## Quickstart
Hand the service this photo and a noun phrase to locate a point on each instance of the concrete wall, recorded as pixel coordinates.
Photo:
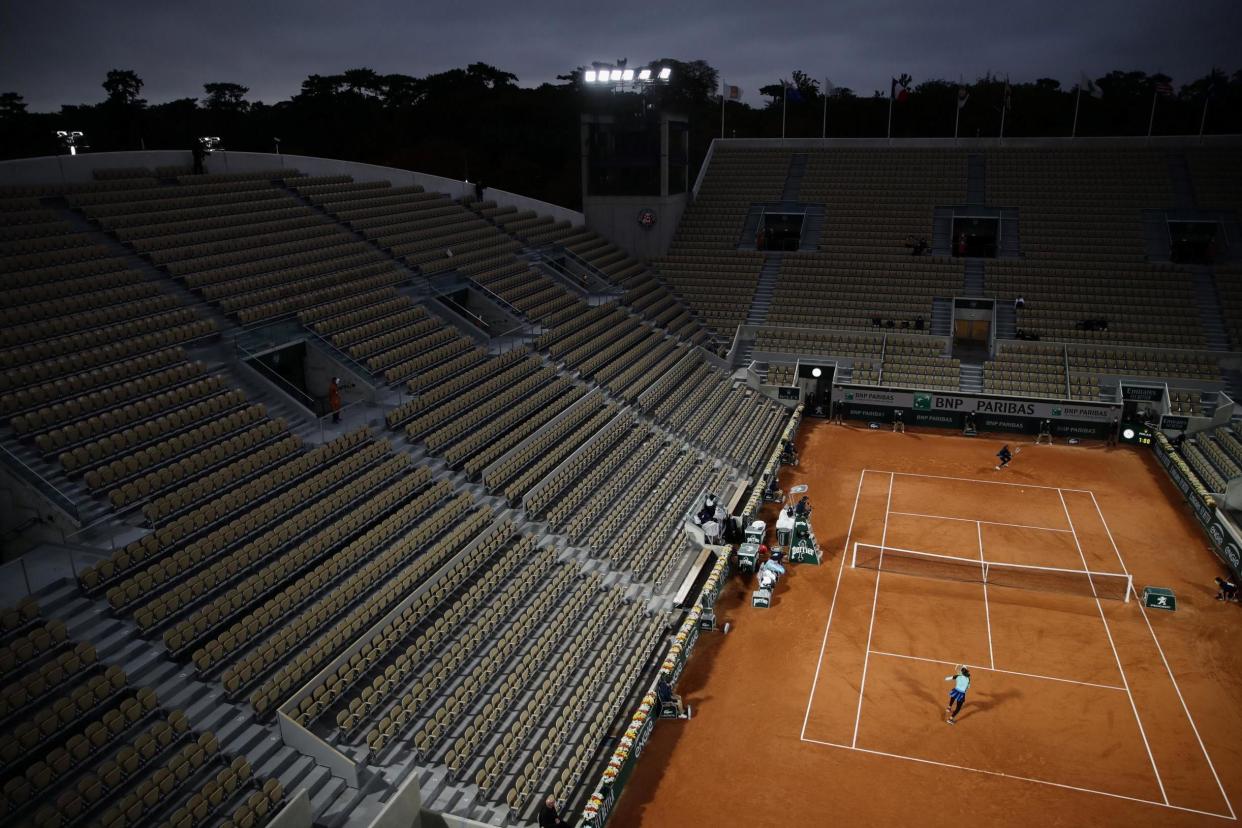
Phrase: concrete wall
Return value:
(616, 219)
(77, 169)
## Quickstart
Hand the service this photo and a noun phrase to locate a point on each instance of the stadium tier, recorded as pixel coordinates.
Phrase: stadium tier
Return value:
(466, 576)
(427, 602)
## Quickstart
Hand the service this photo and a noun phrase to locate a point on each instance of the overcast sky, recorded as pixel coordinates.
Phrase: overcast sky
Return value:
(58, 52)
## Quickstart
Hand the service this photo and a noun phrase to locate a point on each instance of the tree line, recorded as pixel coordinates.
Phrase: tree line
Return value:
(478, 123)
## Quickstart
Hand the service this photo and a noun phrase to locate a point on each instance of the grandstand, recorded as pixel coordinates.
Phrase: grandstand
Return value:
(467, 585)
(396, 588)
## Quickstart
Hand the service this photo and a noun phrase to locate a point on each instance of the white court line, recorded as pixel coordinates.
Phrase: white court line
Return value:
(832, 606)
(987, 611)
(1023, 779)
(1108, 632)
(996, 670)
(875, 600)
(1143, 611)
(988, 522)
(974, 480)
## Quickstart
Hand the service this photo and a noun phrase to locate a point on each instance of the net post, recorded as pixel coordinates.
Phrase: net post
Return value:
(854, 556)
(1129, 587)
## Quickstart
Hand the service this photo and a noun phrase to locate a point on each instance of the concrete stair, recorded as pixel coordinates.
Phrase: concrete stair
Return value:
(793, 178)
(976, 179)
(761, 303)
(973, 282)
(1006, 320)
(970, 378)
(941, 317)
(1183, 185)
(1208, 301)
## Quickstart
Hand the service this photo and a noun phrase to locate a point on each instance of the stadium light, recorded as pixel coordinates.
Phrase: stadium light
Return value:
(210, 143)
(618, 74)
(71, 140)
(1127, 434)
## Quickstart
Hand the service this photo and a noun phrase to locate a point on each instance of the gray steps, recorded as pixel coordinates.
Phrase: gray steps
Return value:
(970, 378)
(973, 282)
(761, 303)
(1006, 319)
(812, 227)
(941, 317)
(976, 178)
(1208, 302)
(1183, 185)
(793, 178)
(1010, 238)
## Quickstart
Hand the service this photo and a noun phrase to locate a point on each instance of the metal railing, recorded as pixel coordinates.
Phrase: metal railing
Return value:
(41, 484)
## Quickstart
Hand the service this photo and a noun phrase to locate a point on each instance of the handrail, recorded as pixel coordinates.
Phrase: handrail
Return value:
(45, 487)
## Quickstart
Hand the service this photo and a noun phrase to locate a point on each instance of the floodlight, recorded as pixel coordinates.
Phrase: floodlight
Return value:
(616, 75)
(816, 372)
(1128, 434)
(665, 73)
(71, 140)
(644, 74)
(589, 76)
(627, 74)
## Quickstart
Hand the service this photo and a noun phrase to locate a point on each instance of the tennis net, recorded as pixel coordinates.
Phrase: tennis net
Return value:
(1112, 585)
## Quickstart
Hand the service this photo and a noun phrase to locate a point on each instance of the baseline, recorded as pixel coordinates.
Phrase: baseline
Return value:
(1061, 785)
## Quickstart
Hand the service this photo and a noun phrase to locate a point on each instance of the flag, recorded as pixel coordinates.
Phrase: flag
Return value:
(1089, 86)
(828, 88)
(1008, 100)
(732, 93)
(900, 89)
(792, 94)
(1164, 89)
(963, 95)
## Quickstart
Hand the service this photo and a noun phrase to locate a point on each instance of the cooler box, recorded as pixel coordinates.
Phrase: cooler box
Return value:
(784, 530)
(761, 598)
(756, 531)
(748, 557)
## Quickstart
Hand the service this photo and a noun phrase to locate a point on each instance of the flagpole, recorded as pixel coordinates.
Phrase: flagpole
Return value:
(1203, 118)
(1151, 119)
(823, 130)
(957, 116)
(1004, 108)
(890, 116)
(722, 100)
(1077, 99)
(784, 101)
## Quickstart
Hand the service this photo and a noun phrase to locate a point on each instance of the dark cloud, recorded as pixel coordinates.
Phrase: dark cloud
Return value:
(55, 53)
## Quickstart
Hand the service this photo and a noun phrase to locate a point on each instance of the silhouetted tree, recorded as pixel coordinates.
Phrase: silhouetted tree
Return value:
(226, 97)
(123, 86)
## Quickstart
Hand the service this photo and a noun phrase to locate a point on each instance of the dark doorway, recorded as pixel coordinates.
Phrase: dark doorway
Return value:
(287, 369)
(780, 231)
(975, 236)
(818, 380)
(1192, 242)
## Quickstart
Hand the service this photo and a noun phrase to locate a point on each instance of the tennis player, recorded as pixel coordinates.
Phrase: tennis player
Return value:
(1004, 456)
(957, 696)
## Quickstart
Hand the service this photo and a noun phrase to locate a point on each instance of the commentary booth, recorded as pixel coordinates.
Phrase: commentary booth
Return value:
(945, 409)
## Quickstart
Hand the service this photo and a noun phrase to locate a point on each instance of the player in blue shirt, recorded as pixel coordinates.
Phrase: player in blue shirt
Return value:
(961, 683)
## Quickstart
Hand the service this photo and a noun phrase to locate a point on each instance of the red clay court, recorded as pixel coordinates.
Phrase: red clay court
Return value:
(1085, 709)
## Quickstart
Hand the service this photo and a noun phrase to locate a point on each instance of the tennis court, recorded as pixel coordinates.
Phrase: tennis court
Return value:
(1083, 708)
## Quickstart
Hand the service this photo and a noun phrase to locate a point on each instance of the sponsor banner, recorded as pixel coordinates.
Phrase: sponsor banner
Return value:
(1172, 423)
(1141, 393)
(1012, 407)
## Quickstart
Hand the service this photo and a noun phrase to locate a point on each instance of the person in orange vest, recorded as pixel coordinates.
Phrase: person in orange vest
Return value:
(334, 399)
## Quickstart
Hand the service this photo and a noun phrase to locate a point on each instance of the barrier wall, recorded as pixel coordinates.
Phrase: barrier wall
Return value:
(625, 758)
(942, 409)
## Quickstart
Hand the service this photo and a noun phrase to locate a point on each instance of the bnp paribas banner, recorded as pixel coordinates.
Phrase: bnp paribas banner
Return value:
(962, 403)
